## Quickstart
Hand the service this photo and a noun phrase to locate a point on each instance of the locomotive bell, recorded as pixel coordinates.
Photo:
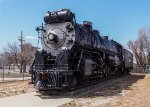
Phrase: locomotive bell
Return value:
(87, 24)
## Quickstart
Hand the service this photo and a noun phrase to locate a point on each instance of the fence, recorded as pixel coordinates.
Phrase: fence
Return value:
(11, 73)
(138, 70)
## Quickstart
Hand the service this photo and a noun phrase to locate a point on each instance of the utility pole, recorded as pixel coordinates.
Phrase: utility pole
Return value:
(21, 39)
(3, 73)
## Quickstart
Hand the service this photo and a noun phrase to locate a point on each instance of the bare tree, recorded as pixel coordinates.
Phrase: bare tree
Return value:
(27, 55)
(13, 55)
(141, 47)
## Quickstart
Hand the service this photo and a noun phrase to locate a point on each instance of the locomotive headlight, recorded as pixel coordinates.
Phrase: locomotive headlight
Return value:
(51, 36)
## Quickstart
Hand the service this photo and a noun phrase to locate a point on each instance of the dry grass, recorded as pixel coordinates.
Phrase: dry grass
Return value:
(15, 88)
(137, 96)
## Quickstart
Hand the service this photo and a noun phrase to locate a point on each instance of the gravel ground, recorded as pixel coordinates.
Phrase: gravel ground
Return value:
(15, 88)
(133, 91)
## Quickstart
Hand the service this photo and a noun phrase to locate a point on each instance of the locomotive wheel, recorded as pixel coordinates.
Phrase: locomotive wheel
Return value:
(106, 72)
(112, 71)
(73, 81)
(105, 75)
(127, 71)
(80, 74)
(116, 72)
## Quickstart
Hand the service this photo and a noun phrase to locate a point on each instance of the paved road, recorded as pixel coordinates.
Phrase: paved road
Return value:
(33, 100)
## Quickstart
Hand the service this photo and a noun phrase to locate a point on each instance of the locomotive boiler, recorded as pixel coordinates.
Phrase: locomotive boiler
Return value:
(75, 53)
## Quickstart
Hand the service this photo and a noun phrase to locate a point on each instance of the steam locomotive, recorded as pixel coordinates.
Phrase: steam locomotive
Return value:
(75, 53)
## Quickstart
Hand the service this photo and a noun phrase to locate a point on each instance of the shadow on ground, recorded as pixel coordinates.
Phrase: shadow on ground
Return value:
(114, 89)
(118, 87)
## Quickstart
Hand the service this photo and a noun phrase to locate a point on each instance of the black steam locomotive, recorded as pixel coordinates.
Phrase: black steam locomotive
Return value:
(75, 53)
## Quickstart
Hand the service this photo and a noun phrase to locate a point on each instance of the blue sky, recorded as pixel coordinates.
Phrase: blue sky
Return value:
(120, 19)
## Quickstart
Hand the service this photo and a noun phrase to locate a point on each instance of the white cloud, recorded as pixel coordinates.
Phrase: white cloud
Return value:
(31, 37)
